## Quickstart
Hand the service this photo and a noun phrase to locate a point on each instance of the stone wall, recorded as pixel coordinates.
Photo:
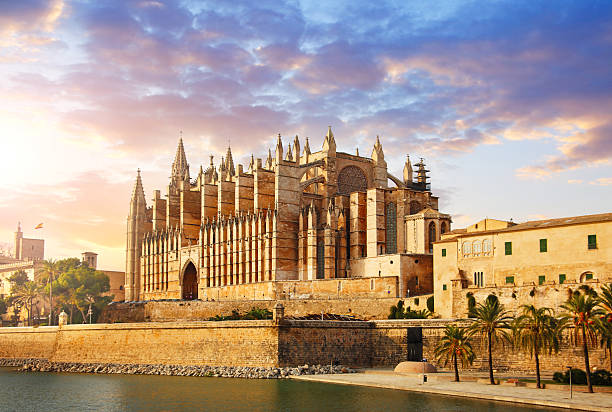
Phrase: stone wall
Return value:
(264, 344)
(201, 310)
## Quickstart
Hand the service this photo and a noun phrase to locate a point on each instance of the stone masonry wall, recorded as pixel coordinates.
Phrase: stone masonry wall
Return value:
(264, 344)
(202, 310)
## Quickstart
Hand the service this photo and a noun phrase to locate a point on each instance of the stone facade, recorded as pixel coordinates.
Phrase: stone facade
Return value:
(534, 262)
(299, 216)
(27, 255)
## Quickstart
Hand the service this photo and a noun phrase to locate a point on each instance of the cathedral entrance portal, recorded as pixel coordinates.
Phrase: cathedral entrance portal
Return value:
(190, 282)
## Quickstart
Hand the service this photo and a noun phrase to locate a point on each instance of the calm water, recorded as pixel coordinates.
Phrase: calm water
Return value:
(82, 392)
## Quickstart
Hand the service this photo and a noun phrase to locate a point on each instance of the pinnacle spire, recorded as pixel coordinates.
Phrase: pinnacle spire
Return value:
(229, 162)
(180, 167)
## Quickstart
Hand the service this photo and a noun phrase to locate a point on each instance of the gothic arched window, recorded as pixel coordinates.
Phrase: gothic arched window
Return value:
(443, 228)
(391, 226)
(351, 179)
(432, 236)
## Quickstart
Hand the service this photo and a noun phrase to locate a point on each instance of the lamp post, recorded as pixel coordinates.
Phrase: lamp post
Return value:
(570, 380)
(424, 376)
(89, 313)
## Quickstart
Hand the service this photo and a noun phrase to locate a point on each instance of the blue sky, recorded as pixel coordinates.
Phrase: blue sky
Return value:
(509, 102)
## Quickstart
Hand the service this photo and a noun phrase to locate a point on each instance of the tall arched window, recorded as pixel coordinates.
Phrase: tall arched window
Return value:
(391, 226)
(467, 248)
(432, 235)
(443, 228)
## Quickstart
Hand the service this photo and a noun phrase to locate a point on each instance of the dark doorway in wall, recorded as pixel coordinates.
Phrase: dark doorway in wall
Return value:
(190, 282)
(414, 344)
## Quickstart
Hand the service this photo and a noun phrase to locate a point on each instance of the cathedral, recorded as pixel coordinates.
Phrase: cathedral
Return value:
(296, 218)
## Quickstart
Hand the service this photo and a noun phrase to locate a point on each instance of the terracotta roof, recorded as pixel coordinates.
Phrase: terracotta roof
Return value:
(535, 224)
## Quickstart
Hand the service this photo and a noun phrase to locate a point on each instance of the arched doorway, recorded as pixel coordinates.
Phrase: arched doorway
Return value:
(190, 282)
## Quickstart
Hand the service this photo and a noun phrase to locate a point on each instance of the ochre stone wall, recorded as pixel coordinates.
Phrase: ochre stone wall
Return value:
(202, 310)
(26, 342)
(262, 343)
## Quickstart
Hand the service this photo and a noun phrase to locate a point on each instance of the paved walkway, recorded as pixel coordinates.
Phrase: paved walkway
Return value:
(523, 395)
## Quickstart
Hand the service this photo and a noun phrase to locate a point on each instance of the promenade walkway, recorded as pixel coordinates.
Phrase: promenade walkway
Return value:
(529, 396)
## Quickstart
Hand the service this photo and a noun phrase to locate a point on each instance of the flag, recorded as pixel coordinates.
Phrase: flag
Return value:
(39, 226)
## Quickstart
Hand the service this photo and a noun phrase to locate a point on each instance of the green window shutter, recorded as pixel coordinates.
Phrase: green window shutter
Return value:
(561, 279)
(543, 245)
(444, 287)
(443, 252)
(510, 279)
(508, 246)
(541, 279)
(592, 241)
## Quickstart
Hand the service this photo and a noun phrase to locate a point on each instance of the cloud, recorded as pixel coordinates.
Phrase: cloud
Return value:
(602, 181)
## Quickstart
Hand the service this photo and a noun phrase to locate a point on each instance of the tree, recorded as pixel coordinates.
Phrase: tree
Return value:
(604, 325)
(534, 331)
(18, 279)
(455, 345)
(491, 321)
(399, 312)
(581, 310)
(3, 305)
(80, 286)
(25, 295)
(49, 271)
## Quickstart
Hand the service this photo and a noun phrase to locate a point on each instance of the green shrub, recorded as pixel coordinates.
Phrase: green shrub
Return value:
(600, 377)
(398, 312)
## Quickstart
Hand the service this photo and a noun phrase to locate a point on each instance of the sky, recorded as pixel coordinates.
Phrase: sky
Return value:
(508, 102)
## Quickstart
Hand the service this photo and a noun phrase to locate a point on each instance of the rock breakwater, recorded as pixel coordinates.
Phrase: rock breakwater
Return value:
(40, 365)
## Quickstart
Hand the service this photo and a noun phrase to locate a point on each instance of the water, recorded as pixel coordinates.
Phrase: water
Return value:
(82, 392)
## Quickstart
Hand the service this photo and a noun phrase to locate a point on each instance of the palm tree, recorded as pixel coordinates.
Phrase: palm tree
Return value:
(25, 295)
(491, 321)
(534, 331)
(455, 344)
(582, 311)
(50, 271)
(605, 323)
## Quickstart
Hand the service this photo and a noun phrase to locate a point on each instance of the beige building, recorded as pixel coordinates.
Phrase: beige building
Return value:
(533, 262)
(27, 254)
(299, 216)
(116, 278)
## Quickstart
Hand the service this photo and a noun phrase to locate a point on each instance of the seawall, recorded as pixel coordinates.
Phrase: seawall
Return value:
(265, 344)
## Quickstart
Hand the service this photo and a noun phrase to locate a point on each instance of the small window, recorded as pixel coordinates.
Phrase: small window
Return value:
(543, 245)
(467, 248)
(508, 246)
(541, 279)
(371, 284)
(588, 276)
(416, 281)
(509, 279)
(592, 241)
(444, 287)
(443, 252)
(561, 278)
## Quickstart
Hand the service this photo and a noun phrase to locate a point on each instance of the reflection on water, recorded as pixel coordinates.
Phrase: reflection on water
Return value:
(82, 392)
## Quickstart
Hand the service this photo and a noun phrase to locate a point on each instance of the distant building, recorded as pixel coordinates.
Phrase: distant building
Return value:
(27, 255)
(115, 278)
(534, 262)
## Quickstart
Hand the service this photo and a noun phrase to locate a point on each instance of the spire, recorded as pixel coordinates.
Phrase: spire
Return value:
(306, 147)
(19, 223)
(329, 143)
(180, 168)
(296, 149)
(229, 162)
(422, 173)
(138, 196)
(279, 149)
(377, 152)
(289, 154)
(357, 152)
(269, 160)
(408, 172)
(252, 164)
